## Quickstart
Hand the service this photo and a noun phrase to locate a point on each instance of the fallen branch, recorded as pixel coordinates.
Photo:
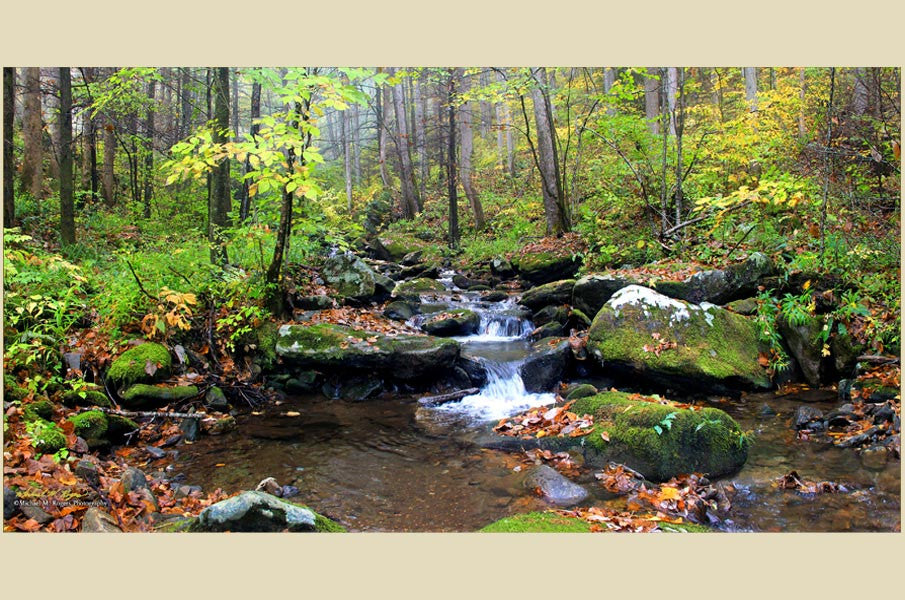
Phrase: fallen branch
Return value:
(140, 286)
(444, 398)
(148, 413)
(873, 358)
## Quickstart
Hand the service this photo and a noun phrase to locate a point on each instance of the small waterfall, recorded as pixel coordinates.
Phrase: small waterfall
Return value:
(503, 395)
(500, 327)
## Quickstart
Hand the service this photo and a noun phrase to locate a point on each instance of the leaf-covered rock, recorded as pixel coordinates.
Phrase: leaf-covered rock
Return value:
(145, 363)
(261, 512)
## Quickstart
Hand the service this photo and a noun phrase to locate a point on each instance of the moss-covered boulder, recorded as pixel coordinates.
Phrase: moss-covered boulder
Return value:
(581, 390)
(677, 342)
(91, 425)
(46, 436)
(452, 322)
(592, 291)
(335, 348)
(145, 363)
(553, 293)
(539, 268)
(400, 310)
(415, 287)
(141, 395)
(38, 409)
(352, 278)
(262, 512)
(398, 246)
(92, 396)
(551, 522)
(737, 281)
(12, 391)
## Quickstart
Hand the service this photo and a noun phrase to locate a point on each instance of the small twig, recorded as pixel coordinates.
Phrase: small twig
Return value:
(178, 274)
(148, 413)
(140, 286)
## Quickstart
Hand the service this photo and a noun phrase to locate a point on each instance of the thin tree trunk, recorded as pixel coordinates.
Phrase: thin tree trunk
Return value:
(750, 74)
(802, 89)
(652, 101)
(485, 107)
(9, 168)
(347, 152)
(406, 175)
(679, 121)
(467, 136)
(356, 141)
(185, 111)
(380, 106)
(420, 141)
(53, 106)
(149, 150)
(609, 78)
(91, 140)
(664, 118)
(107, 180)
(32, 133)
(548, 163)
(861, 93)
(234, 76)
(827, 163)
(245, 205)
(67, 209)
(671, 88)
(220, 198)
(451, 183)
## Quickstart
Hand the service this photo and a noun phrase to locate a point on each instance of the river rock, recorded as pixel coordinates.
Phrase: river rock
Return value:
(554, 293)
(412, 258)
(350, 276)
(465, 283)
(555, 488)
(10, 508)
(141, 395)
(545, 365)
(452, 322)
(415, 287)
(698, 441)
(87, 470)
(805, 415)
(674, 341)
(592, 291)
(543, 267)
(98, 521)
(254, 512)
(399, 310)
(338, 348)
(721, 285)
(497, 296)
(502, 268)
(145, 363)
(582, 390)
(805, 346)
(215, 399)
(474, 368)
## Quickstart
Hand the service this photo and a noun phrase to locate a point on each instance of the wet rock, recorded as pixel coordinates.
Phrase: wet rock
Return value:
(805, 415)
(412, 258)
(155, 452)
(451, 323)
(840, 418)
(497, 296)
(711, 344)
(592, 291)
(10, 506)
(860, 439)
(134, 479)
(463, 282)
(551, 314)
(141, 395)
(502, 268)
(883, 414)
(766, 411)
(98, 521)
(302, 383)
(805, 345)
(845, 352)
(37, 513)
(221, 426)
(288, 491)
(184, 491)
(845, 390)
(414, 287)
(358, 390)
(554, 487)
(555, 293)
(190, 429)
(545, 365)
(329, 347)
(552, 329)
(253, 512)
(270, 486)
(399, 310)
(172, 440)
(320, 302)
(543, 267)
(425, 271)
(474, 368)
(350, 277)
(582, 390)
(215, 399)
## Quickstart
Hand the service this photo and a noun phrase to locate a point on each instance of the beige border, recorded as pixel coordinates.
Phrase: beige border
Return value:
(463, 32)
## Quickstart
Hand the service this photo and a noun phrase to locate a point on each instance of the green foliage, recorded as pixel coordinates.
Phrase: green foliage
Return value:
(666, 423)
(46, 436)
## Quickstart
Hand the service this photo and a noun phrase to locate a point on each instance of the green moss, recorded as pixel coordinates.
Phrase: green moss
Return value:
(420, 285)
(321, 523)
(685, 528)
(90, 425)
(706, 440)
(91, 398)
(322, 337)
(46, 436)
(142, 394)
(266, 354)
(130, 367)
(117, 425)
(12, 391)
(538, 522)
(40, 409)
(582, 390)
(714, 344)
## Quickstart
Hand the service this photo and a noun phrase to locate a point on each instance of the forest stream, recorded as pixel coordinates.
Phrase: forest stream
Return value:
(391, 464)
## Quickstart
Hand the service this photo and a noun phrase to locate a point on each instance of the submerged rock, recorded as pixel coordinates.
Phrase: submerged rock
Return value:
(555, 488)
(675, 341)
(337, 348)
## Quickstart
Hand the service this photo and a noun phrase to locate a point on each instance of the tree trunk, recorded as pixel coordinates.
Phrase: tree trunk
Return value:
(32, 133)
(802, 89)
(486, 117)
(91, 140)
(107, 181)
(451, 183)
(750, 74)
(185, 111)
(380, 107)
(219, 198)
(9, 168)
(149, 150)
(506, 125)
(609, 78)
(671, 88)
(861, 93)
(356, 141)
(420, 141)
(52, 101)
(245, 204)
(467, 136)
(678, 115)
(548, 162)
(234, 76)
(67, 210)
(346, 139)
(410, 205)
(652, 101)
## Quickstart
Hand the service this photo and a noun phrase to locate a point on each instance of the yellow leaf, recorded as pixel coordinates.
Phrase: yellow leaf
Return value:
(541, 433)
(806, 285)
(669, 493)
(640, 244)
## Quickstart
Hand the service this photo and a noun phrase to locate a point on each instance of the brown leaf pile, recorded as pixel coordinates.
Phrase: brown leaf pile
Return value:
(605, 519)
(793, 481)
(561, 461)
(545, 421)
(361, 319)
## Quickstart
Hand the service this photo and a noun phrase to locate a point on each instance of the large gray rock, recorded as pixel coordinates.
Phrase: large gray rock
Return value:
(452, 322)
(592, 291)
(352, 278)
(337, 348)
(676, 342)
(555, 488)
(555, 293)
(97, 521)
(719, 286)
(545, 365)
(805, 346)
(255, 512)
(543, 267)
